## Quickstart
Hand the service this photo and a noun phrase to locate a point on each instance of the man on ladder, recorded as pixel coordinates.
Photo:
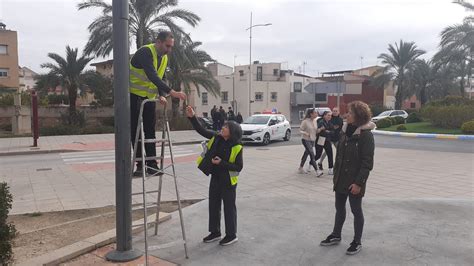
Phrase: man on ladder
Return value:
(147, 72)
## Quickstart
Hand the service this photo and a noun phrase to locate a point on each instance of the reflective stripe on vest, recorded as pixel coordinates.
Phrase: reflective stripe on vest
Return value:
(139, 83)
(234, 175)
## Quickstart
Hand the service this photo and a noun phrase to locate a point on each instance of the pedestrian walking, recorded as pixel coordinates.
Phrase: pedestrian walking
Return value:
(308, 136)
(215, 120)
(222, 117)
(239, 118)
(147, 72)
(222, 159)
(230, 114)
(354, 161)
(336, 122)
(323, 140)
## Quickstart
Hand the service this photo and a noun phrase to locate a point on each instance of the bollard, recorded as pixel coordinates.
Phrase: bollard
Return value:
(35, 122)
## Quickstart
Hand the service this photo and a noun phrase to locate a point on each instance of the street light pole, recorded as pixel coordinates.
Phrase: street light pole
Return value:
(250, 58)
(123, 182)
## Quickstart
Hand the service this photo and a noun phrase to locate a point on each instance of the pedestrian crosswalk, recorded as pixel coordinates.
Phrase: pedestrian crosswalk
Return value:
(108, 156)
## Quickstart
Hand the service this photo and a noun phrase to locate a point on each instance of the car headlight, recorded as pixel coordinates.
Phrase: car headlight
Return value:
(257, 130)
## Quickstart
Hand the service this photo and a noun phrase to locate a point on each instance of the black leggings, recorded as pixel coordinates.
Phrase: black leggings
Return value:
(356, 208)
(308, 150)
(328, 148)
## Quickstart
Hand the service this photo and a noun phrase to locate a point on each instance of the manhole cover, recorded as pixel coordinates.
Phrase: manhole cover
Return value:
(44, 169)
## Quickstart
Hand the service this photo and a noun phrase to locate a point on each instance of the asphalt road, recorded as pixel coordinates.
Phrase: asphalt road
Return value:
(401, 143)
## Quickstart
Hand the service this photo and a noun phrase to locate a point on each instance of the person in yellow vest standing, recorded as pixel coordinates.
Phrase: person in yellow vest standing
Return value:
(147, 75)
(222, 159)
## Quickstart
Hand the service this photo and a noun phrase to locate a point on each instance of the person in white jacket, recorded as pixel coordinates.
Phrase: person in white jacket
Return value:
(308, 132)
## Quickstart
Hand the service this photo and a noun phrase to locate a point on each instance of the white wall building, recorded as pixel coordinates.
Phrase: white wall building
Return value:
(27, 79)
(271, 88)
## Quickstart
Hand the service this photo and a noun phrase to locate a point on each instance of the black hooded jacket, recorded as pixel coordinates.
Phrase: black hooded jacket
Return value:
(221, 148)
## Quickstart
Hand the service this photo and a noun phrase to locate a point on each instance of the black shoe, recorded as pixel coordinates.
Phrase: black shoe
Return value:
(331, 240)
(354, 248)
(212, 237)
(139, 171)
(320, 166)
(228, 240)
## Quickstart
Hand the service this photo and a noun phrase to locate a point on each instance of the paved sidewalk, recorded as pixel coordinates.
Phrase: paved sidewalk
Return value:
(403, 174)
(10, 146)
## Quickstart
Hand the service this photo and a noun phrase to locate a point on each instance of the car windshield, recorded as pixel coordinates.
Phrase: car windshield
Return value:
(257, 120)
(386, 113)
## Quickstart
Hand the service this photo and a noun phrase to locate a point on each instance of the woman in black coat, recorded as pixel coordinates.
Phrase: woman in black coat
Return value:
(326, 131)
(222, 159)
(354, 161)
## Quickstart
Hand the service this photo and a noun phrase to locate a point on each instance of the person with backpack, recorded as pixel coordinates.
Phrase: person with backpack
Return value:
(222, 159)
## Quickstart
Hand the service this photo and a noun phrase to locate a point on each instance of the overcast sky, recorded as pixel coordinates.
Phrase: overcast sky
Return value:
(328, 34)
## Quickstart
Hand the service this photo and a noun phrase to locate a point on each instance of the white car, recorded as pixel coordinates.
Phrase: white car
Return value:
(264, 128)
(391, 113)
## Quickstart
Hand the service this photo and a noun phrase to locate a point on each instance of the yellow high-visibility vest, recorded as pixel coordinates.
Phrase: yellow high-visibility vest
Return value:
(234, 175)
(139, 83)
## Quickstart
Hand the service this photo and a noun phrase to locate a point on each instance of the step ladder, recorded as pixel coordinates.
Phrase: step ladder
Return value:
(163, 171)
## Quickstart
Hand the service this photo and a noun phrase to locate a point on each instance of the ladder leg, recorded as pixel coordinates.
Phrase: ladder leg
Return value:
(145, 214)
(177, 191)
(160, 182)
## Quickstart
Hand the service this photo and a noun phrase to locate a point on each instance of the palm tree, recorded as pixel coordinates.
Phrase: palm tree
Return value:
(147, 17)
(419, 80)
(457, 47)
(187, 63)
(398, 61)
(68, 72)
(468, 6)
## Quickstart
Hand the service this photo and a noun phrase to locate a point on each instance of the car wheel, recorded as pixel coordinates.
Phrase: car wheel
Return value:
(266, 139)
(287, 135)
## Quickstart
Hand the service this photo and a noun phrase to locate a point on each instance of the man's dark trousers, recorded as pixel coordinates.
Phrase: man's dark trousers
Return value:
(148, 126)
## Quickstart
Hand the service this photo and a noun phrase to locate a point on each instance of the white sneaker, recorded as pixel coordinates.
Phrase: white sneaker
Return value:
(301, 171)
(330, 171)
(319, 173)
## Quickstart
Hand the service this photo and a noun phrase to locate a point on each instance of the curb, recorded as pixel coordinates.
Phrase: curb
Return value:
(39, 151)
(424, 135)
(86, 245)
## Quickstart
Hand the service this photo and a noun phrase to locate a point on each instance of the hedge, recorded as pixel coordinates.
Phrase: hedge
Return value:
(384, 123)
(7, 230)
(414, 118)
(450, 116)
(468, 127)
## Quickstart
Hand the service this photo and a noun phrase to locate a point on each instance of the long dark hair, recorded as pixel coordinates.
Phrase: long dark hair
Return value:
(325, 113)
(309, 112)
(235, 131)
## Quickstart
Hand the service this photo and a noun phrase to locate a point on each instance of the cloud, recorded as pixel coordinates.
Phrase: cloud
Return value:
(328, 35)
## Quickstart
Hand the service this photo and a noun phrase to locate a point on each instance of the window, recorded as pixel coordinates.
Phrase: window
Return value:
(281, 119)
(412, 105)
(259, 73)
(241, 73)
(3, 49)
(224, 96)
(301, 115)
(275, 72)
(204, 98)
(274, 97)
(259, 96)
(321, 97)
(297, 87)
(3, 72)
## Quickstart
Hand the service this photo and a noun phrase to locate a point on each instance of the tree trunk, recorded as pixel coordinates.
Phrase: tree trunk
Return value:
(72, 93)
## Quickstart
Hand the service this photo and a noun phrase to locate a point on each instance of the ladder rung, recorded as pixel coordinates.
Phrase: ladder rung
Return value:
(155, 140)
(166, 245)
(148, 192)
(149, 158)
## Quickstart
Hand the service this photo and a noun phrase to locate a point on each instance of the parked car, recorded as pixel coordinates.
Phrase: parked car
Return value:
(391, 113)
(263, 128)
(206, 122)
